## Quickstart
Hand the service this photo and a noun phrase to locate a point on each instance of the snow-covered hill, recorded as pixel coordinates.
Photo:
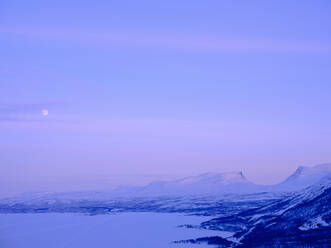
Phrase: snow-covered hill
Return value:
(204, 184)
(303, 177)
(301, 219)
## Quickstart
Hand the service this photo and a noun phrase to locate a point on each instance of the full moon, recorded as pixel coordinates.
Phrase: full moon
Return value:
(44, 112)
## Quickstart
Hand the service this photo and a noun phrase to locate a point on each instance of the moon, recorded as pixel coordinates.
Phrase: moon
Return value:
(44, 112)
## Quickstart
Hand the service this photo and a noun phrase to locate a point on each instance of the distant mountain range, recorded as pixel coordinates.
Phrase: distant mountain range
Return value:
(226, 183)
(202, 185)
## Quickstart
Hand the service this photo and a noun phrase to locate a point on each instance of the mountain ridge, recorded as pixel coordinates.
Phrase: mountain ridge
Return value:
(233, 182)
(303, 177)
(210, 183)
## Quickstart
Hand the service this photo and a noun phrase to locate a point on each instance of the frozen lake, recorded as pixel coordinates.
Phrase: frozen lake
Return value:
(103, 231)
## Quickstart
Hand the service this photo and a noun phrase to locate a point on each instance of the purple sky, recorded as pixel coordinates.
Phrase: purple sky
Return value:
(139, 90)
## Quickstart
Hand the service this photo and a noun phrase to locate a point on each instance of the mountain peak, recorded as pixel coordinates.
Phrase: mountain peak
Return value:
(206, 183)
(305, 171)
(214, 177)
(233, 177)
(305, 176)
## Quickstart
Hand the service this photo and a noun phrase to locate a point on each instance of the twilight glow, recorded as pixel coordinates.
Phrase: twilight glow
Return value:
(94, 95)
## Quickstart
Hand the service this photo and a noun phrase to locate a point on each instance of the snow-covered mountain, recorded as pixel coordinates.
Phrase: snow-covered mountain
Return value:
(204, 184)
(227, 183)
(303, 177)
(302, 220)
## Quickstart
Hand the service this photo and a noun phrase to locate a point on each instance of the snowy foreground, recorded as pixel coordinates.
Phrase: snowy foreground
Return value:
(155, 217)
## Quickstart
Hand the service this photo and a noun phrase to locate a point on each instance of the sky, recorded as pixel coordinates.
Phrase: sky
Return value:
(95, 94)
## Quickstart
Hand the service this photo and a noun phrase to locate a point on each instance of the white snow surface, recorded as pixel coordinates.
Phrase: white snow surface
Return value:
(314, 224)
